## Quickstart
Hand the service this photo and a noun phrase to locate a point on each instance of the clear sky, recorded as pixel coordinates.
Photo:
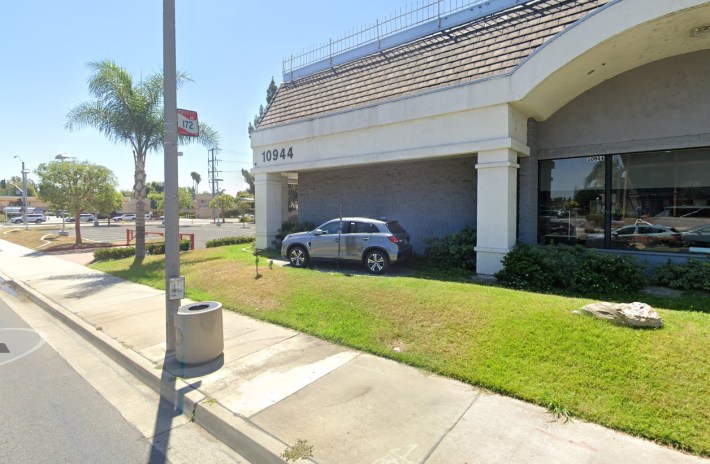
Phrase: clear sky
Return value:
(230, 48)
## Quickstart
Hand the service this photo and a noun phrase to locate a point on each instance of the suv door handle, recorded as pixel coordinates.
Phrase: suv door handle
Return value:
(365, 239)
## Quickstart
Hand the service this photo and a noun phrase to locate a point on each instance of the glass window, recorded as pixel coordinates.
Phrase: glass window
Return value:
(658, 201)
(331, 227)
(571, 201)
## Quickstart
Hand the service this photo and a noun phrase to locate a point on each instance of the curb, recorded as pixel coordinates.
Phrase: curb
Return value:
(250, 441)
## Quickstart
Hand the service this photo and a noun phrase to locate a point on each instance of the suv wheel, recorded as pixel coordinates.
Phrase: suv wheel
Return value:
(38, 221)
(298, 256)
(376, 261)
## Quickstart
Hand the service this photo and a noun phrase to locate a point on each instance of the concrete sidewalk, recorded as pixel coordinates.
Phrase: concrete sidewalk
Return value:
(274, 386)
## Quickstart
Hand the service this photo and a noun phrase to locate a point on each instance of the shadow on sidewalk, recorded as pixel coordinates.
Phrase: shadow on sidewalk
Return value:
(170, 406)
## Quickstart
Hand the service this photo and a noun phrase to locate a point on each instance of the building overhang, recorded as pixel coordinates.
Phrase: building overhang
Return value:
(616, 38)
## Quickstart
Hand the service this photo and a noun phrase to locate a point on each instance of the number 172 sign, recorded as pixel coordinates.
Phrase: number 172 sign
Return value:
(187, 123)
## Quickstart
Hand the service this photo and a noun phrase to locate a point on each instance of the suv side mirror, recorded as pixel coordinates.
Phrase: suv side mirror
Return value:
(318, 232)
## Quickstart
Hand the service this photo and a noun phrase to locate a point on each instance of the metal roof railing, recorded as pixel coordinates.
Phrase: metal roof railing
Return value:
(419, 20)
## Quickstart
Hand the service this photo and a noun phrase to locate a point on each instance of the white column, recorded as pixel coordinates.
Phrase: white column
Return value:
(496, 209)
(269, 198)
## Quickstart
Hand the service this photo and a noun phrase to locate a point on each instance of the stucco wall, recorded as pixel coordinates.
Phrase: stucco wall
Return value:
(430, 198)
(658, 106)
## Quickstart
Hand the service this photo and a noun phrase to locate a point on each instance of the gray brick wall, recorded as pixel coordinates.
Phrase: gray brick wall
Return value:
(430, 198)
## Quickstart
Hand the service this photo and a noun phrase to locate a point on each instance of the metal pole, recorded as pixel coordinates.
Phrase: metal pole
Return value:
(24, 196)
(172, 243)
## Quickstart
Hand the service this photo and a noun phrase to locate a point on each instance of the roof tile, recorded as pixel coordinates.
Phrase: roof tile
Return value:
(485, 47)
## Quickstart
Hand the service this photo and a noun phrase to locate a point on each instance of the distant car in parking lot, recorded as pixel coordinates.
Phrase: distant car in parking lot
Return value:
(372, 242)
(124, 217)
(83, 217)
(36, 218)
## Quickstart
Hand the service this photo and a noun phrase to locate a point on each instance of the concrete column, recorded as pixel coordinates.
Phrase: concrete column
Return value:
(496, 209)
(269, 199)
(284, 200)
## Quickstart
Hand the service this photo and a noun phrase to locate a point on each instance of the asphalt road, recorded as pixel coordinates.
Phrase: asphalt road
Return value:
(203, 229)
(49, 413)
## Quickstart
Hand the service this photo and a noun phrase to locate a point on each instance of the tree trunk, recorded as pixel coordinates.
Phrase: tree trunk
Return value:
(77, 228)
(139, 195)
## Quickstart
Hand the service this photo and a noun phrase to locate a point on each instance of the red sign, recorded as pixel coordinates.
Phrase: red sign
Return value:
(187, 123)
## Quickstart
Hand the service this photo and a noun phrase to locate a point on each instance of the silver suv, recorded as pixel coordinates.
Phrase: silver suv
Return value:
(36, 218)
(372, 242)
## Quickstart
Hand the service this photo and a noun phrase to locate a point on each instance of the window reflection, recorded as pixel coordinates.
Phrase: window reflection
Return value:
(571, 206)
(659, 201)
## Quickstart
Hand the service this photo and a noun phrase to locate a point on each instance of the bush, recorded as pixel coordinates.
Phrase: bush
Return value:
(575, 269)
(159, 248)
(693, 275)
(105, 254)
(453, 251)
(218, 242)
(290, 227)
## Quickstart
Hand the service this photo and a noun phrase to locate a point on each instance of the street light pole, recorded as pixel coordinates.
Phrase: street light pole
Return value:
(24, 193)
(172, 244)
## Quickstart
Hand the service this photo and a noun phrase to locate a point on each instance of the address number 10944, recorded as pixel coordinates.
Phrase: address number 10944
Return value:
(274, 155)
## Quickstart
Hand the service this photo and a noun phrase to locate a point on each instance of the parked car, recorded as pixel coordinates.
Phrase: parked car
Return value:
(697, 236)
(36, 218)
(83, 217)
(372, 242)
(124, 217)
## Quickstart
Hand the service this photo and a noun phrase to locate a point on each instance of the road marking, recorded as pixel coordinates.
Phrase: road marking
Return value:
(18, 343)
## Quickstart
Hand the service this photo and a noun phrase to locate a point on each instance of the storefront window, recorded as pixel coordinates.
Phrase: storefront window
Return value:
(658, 201)
(571, 205)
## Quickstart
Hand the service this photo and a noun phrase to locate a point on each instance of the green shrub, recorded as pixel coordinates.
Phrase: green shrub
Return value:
(159, 247)
(218, 242)
(574, 269)
(106, 254)
(693, 275)
(290, 227)
(454, 251)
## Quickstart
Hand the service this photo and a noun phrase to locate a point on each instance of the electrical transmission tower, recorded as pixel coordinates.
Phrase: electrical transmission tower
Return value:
(213, 174)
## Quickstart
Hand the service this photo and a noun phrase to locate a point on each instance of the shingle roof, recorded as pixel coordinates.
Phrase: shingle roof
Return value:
(483, 48)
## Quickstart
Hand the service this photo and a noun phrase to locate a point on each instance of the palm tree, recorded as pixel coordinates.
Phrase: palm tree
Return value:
(196, 178)
(130, 113)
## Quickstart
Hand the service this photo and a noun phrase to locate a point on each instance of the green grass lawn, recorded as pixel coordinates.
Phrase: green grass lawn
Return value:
(651, 383)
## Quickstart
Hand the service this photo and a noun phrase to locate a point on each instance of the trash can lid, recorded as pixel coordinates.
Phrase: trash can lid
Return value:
(199, 307)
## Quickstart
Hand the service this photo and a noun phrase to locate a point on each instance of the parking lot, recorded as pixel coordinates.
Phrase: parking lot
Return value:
(203, 229)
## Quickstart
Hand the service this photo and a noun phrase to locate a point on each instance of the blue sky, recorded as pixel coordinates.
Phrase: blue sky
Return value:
(231, 49)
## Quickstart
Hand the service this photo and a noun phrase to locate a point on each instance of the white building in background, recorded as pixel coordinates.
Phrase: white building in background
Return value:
(540, 121)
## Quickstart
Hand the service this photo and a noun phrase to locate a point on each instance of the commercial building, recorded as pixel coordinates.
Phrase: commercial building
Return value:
(548, 121)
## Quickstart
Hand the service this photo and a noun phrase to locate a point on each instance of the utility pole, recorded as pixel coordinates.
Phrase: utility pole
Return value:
(172, 244)
(213, 172)
(24, 193)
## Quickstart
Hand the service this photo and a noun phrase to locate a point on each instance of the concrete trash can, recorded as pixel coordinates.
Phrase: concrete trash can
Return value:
(199, 332)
